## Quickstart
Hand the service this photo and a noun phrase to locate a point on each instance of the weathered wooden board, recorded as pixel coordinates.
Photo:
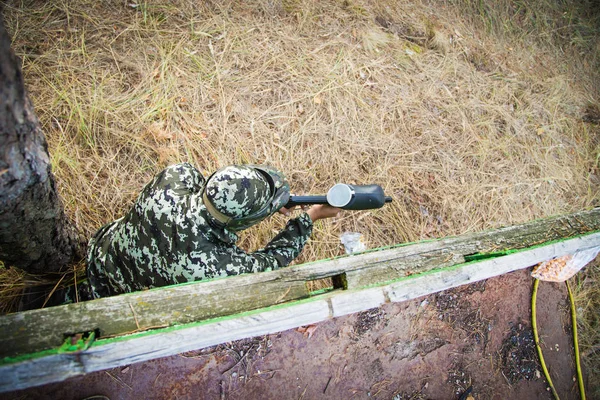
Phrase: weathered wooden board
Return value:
(386, 265)
(141, 347)
(37, 330)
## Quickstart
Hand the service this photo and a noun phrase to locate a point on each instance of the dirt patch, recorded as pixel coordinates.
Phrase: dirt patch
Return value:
(419, 346)
(519, 358)
(459, 379)
(409, 396)
(369, 319)
(455, 309)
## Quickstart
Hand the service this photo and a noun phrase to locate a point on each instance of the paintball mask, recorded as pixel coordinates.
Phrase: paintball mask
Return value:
(239, 196)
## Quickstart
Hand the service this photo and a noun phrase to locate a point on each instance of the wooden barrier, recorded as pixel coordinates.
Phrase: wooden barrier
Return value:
(145, 325)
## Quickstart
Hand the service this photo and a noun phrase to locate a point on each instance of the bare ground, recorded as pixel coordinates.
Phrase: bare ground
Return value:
(434, 347)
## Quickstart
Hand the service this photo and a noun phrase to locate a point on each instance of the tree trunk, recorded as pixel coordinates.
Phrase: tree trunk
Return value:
(35, 234)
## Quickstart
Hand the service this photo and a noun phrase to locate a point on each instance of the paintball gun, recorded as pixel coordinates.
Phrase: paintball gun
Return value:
(347, 197)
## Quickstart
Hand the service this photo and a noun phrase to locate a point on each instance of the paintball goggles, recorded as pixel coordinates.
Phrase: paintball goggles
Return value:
(347, 197)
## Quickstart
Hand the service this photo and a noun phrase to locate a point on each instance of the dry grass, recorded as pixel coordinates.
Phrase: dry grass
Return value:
(11, 287)
(13, 281)
(470, 117)
(462, 131)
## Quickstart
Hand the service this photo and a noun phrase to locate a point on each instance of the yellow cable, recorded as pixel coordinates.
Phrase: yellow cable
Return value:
(537, 339)
(576, 343)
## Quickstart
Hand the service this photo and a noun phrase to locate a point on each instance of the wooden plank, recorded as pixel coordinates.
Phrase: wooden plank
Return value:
(38, 330)
(137, 348)
(385, 265)
(353, 301)
(395, 263)
(436, 281)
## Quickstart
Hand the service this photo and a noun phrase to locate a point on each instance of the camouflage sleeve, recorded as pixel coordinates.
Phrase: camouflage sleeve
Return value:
(286, 246)
(288, 243)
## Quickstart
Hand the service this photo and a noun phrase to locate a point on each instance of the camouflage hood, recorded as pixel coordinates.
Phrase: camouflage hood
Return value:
(239, 196)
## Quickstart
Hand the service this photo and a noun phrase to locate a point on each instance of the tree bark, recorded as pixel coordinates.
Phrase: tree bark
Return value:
(35, 234)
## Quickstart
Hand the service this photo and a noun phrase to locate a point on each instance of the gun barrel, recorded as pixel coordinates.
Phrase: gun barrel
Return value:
(306, 200)
(348, 197)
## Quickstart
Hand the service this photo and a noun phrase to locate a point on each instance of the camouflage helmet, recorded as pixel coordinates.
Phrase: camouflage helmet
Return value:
(239, 196)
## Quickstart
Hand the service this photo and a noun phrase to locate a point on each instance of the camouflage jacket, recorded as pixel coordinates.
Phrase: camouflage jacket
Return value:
(166, 238)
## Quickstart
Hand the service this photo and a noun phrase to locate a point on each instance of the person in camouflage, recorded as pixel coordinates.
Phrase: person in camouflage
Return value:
(182, 229)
